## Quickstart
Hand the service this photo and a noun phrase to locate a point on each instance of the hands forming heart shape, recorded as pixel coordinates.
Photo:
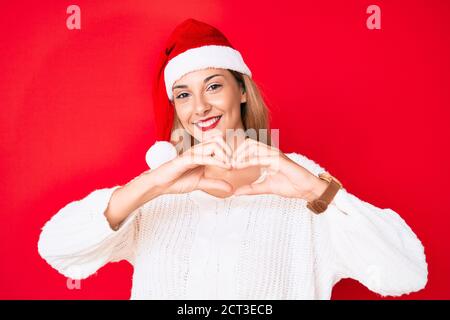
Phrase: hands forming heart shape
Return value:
(283, 177)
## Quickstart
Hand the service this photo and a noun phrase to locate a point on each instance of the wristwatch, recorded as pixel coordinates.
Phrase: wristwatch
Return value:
(320, 204)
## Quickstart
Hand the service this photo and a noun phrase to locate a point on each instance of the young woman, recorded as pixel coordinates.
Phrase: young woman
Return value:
(230, 218)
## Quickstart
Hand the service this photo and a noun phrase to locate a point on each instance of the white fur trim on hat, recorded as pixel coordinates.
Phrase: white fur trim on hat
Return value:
(211, 56)
(160, 153)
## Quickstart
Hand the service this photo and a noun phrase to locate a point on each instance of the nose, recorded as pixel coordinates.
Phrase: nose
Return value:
(201, 106)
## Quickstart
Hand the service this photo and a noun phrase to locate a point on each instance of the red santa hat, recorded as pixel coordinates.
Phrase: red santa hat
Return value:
(193, 45)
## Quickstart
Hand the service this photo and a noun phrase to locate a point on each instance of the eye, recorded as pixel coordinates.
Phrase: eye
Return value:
(180, 96)
(214, 86)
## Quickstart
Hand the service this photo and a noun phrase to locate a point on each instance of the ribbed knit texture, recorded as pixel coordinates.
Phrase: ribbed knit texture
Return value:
(198, 246)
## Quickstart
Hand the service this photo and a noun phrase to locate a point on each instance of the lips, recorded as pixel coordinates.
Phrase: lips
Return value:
(208, 124)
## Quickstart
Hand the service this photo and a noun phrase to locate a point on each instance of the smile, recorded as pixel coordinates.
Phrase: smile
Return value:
(207, 125)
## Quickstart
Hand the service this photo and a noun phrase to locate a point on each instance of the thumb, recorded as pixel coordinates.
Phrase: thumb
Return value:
(251, 189)
(216, 184)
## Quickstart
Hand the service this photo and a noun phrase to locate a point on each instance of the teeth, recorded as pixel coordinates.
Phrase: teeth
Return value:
(207, 123)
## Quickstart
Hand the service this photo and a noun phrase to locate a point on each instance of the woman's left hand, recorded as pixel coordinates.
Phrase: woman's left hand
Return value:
(284, 177)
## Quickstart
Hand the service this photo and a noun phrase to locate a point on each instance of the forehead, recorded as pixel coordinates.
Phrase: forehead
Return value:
(200, 75)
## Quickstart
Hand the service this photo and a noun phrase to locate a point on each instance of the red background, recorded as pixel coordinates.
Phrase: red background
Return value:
(371, 106)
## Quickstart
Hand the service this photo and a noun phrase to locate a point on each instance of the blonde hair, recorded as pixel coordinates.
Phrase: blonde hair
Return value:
(254, 113)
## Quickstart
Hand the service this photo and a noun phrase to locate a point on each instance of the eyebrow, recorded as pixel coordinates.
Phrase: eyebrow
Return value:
(183, 86)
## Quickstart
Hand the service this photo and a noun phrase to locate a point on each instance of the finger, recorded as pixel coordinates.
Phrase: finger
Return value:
(263, 161)
(214, 150)
(210, 161)
(225, 146)
(216, 184)
(244, 144)
(218, 142)
(256, 150)
(192, 160)
(252, 150)
(252, 189)
(241, 152)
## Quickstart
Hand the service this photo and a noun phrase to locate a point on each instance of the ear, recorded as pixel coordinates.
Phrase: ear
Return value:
(243, 95)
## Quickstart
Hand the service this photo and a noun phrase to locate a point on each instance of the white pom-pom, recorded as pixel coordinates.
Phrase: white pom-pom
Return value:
(159, 153)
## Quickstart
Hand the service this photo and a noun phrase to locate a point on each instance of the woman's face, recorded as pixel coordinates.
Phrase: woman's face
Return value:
(208, 101)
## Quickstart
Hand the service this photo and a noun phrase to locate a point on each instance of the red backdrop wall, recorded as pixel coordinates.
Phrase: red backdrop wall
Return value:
(372, 106)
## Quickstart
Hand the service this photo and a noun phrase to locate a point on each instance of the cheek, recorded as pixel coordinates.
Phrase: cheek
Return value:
(234, 111)
(183, 116)
(226, 104)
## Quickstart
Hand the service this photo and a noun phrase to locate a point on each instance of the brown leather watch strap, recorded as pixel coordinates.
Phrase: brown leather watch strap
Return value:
(320, 204)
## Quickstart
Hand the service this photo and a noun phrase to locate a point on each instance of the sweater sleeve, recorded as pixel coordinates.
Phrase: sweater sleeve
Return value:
(371, 245)
(78, 239)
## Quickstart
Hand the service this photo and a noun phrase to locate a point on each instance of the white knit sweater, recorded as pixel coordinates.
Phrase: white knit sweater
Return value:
(198, 246)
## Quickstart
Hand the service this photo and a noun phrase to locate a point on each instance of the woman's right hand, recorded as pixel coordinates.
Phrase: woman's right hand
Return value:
(182, 174)
(185, 173)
